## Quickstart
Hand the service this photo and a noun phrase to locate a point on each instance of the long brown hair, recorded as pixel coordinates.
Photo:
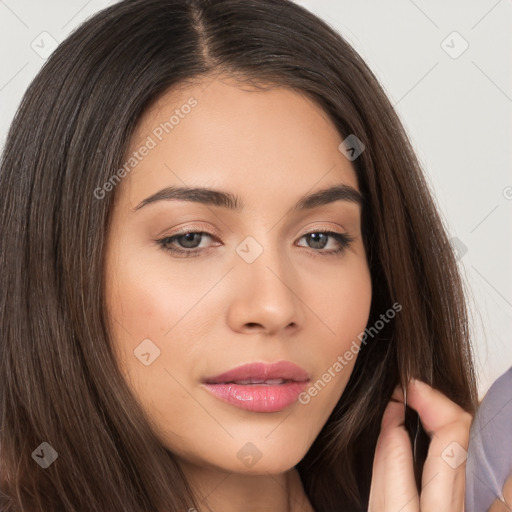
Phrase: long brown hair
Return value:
(59, 382)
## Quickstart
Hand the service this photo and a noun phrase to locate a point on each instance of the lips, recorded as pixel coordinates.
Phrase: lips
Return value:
(269, 382)
(260, 387)
(259, 373)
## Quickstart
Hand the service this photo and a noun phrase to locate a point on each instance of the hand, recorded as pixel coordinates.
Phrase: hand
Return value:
(393, 488)
(506, 504)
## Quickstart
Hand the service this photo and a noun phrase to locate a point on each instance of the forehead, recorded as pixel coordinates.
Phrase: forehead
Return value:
(229, 135)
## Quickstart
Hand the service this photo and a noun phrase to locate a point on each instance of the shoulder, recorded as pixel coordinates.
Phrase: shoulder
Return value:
(497, 402)
(490, 451)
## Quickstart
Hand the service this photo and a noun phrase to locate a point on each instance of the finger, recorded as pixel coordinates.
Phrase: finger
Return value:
(443, 480)
(435, 409)
(393, 486)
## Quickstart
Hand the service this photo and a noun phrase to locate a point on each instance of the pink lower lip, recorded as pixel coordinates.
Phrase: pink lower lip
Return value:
(258, 397)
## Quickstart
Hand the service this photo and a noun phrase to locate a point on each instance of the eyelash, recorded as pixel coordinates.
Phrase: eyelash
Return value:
(343, 239)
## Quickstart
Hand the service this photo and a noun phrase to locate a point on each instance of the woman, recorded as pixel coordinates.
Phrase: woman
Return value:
(222, 272)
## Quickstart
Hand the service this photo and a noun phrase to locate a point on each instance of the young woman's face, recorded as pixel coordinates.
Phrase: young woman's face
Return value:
(265, 282)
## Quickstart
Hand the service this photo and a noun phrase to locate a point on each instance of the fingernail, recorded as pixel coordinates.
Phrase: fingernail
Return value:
(419, 383)
(398, 394)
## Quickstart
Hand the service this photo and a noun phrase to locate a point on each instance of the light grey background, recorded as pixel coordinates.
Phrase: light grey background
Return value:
(455, 103)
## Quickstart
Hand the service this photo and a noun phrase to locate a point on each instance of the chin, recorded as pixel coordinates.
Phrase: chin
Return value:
(271, 466)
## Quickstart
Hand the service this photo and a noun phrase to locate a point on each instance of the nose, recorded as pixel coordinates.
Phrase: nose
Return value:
(266, 295)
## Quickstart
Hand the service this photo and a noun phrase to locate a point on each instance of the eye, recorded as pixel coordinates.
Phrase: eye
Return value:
(319, 240)
(187, 240)
(188, 243)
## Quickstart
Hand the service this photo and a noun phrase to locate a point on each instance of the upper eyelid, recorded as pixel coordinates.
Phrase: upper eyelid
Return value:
(214, 233)
(345, 239)
(214, 236)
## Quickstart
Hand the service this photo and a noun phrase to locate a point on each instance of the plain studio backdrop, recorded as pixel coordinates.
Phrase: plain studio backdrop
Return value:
(446, 67)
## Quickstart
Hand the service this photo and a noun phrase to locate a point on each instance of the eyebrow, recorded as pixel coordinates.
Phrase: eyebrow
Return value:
(230, 201)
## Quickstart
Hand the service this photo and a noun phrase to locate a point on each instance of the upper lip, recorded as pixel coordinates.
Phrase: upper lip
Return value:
(262, 371)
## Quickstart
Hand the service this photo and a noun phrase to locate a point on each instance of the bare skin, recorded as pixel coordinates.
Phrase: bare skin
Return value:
(504, 504)
(207, 313)
(443, 481)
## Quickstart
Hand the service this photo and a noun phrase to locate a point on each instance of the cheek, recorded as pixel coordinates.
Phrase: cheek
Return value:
(148, 299)
(344, 308)
(343, 304)
(146, 302)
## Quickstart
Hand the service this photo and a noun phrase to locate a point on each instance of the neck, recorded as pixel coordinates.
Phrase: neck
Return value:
(218, 490)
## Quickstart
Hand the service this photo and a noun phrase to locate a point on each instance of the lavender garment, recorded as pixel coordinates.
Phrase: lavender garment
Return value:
(489, 460)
